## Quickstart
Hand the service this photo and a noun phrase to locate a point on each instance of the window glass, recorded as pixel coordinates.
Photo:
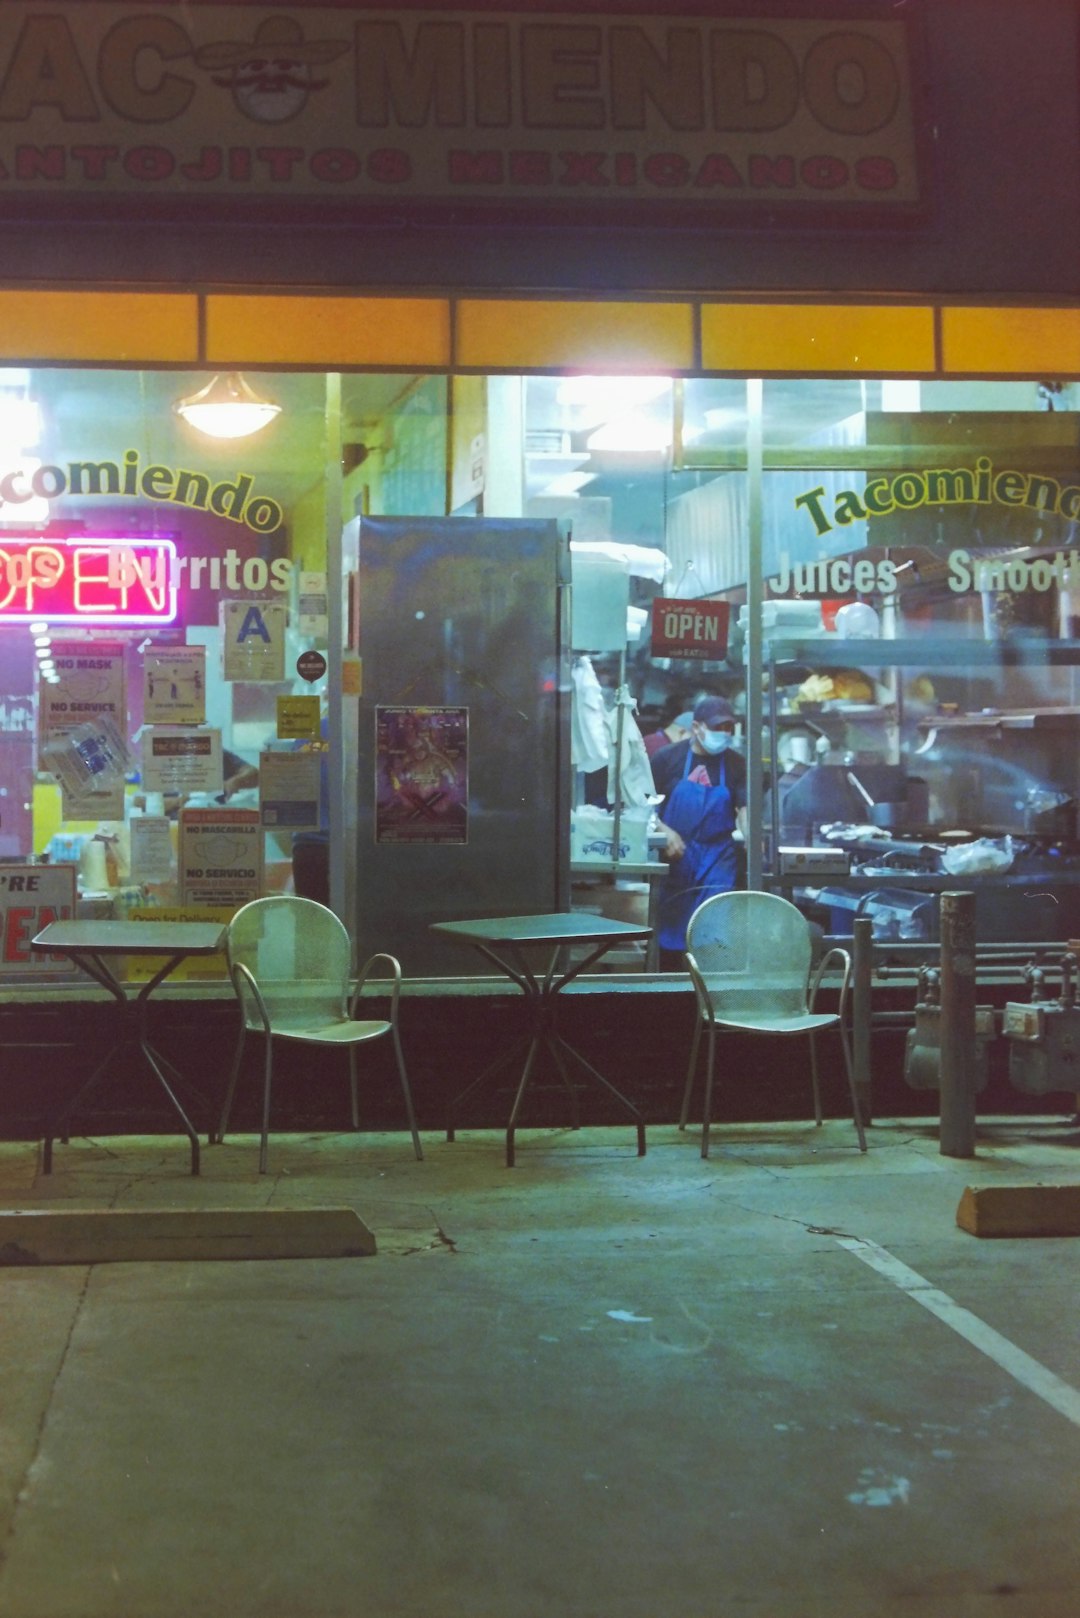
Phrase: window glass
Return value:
(921, 592)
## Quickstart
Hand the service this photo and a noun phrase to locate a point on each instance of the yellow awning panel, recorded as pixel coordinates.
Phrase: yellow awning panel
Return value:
(522, 334)
(802, 339)
(1011, 342)
(438, 333)
(327, 332)
(108, 327)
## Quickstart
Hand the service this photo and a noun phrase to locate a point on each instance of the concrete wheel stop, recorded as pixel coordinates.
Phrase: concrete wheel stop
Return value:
(1020, 1210)
(135, 1235)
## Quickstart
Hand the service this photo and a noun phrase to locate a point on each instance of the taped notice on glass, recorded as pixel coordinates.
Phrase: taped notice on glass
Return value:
(89, 762)
(151, 848)
(174, 685)
(181, 761)
(253, 640)
(220, 856)
(289, 789)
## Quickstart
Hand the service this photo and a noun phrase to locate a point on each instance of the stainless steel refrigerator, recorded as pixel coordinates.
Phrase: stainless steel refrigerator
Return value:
(463, 758)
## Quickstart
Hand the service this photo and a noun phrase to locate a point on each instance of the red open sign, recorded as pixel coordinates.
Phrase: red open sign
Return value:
(689, 628)
(87, 581)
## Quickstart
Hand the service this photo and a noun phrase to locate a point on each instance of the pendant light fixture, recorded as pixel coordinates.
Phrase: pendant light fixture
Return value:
(228, 407)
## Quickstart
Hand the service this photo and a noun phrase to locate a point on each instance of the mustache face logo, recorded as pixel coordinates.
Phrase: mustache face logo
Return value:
(271, 92)
(271, 76)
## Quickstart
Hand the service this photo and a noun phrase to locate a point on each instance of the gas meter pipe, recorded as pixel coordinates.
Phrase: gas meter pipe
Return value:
(957, 1134)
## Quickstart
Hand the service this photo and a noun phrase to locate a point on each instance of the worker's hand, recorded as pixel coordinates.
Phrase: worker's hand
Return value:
(675, 848)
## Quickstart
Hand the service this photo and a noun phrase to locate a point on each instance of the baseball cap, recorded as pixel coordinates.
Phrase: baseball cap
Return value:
(714, 711)
(683, 720)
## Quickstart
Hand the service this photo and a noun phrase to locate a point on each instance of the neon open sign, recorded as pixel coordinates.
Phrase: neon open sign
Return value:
(87, 581)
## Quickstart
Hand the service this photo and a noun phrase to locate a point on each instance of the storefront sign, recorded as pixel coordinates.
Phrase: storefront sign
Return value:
(235, 498)
(31, 896)
(220, 856)
(697, 629)
(350, 102)
(85, 582)
(421, 775)
(979, 485)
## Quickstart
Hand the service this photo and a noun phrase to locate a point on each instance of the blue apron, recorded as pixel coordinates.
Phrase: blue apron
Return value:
(704, 817)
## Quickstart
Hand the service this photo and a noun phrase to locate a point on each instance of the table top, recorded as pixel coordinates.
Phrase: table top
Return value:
(561, 927)
(92, 937)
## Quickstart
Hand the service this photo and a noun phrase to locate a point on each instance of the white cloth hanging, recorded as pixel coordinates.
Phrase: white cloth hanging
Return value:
(590, 743)
(629, 774)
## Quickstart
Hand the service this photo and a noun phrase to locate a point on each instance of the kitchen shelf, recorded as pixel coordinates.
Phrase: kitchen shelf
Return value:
(936, 651)
(1014, 719)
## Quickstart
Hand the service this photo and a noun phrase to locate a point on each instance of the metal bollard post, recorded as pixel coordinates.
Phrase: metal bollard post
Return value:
(957, 1136)
(862, 971)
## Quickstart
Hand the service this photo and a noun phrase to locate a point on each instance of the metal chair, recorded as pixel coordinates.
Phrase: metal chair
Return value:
(290, 961)
(750, 957)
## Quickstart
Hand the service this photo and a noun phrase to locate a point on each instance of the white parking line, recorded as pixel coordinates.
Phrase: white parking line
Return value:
(1027, 1371)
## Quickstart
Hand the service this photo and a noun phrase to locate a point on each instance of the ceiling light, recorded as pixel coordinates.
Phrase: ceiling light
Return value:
(632, 433)
(227, 408)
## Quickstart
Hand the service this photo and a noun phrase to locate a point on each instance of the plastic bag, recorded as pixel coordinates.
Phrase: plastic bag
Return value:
(980, 858)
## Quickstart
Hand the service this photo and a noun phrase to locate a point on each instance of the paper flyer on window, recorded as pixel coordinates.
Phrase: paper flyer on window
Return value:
(220, 856)
(141, 968)
(289, 785)
(174, 685)
(422, 775)
(82, 728)
(151, 848)
(182, 761)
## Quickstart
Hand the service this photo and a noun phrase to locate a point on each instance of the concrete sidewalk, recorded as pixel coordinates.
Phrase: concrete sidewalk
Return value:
(777, 1383)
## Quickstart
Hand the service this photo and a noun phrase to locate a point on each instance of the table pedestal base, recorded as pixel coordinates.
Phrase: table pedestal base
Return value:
(134, 1035)
(542, 993)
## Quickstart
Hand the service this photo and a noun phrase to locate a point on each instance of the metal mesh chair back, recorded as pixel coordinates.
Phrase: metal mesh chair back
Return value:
(300, 956)
(754, 952)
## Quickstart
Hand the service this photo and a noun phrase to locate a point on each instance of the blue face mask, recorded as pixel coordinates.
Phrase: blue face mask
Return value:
(715, 741)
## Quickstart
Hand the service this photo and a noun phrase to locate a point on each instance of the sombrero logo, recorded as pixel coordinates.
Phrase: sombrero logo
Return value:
(272, 75)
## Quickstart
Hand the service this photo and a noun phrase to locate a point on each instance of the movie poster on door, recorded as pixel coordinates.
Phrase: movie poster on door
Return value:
(220, 856)
(422, 775)
(174, 685)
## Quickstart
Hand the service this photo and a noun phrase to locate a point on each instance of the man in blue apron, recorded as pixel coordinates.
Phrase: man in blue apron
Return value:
(704, 786)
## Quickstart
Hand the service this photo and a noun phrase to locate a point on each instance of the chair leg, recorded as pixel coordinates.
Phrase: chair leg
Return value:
(268, 1069)
(407, 1093)
(706, 1117)
(223, 1121)
(850, 1071)
(354, 1104)
(690, 1071)
(814, 1079)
